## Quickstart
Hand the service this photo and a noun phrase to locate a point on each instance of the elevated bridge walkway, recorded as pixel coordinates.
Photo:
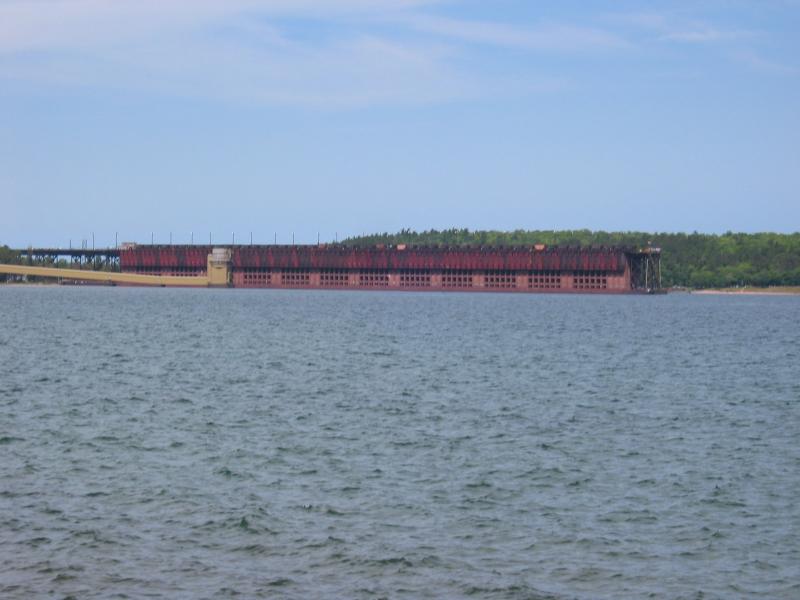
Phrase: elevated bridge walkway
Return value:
(108, 277)
(217, 274)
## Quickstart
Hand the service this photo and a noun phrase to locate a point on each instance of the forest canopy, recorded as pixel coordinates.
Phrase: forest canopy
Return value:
(694, 260)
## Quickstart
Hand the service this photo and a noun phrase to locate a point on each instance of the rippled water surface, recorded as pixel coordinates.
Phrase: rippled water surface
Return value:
(289, 444)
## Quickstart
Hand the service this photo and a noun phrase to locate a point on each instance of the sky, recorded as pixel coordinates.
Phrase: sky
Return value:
(307, 119)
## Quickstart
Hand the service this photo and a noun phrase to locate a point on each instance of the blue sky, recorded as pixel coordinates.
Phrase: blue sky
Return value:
(337, 117)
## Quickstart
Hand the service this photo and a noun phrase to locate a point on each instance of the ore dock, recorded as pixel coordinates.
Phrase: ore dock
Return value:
(537, 268)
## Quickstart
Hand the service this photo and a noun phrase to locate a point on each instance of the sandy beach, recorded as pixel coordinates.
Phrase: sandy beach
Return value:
(773, 291)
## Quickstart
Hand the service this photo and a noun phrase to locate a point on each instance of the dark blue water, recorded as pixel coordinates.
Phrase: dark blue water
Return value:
(288, 444)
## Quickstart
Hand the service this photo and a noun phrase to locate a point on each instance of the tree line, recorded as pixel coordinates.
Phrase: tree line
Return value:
(8, 256)
(693, 260)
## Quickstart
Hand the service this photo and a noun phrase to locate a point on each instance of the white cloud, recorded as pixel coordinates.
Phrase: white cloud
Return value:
(550, 37)
(352, 73)
(704, 35)
(48, 24)
(759, 63)
(370, 51)
(229, 49)
(671, 28)
(239, 50)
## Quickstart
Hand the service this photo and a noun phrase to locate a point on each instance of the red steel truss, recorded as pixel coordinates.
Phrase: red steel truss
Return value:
(608, 259)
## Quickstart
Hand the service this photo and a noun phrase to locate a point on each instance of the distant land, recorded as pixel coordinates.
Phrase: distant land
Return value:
(778, 290)
(693, 260)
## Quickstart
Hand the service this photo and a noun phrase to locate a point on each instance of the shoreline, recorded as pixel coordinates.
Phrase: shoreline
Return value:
(776, 291)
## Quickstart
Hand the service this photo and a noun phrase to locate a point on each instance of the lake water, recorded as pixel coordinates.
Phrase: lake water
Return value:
(171, 443)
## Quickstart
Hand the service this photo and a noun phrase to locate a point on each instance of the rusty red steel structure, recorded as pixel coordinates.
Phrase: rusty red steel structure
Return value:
(514, 268)
(341, 257)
